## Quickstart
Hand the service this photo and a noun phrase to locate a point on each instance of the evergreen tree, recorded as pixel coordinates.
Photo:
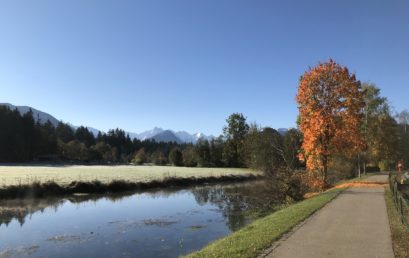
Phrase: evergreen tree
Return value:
(64, 132)
(216, 152)
(265, 150)
(234, 134)
(202, 149)
(29, 134)
(46, 139)
(83, 135)
(176, 157)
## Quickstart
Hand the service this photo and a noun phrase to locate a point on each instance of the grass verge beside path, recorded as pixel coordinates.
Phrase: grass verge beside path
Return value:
(400, 233)
(261, 234)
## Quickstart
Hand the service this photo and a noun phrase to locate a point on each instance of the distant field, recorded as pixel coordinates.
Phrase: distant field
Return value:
(63, 175)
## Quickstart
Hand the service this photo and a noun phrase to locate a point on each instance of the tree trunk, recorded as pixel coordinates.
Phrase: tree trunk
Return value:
(325, 172)
(359, 166)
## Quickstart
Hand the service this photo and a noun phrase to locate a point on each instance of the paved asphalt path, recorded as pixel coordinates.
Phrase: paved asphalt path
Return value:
(355, 224)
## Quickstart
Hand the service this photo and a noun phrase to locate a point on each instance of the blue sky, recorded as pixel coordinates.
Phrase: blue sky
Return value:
(187, 65)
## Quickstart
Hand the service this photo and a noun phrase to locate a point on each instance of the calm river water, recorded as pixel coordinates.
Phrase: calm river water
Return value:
(166, 223)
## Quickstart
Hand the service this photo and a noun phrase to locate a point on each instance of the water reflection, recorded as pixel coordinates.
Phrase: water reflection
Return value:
(21, 209)
(165, 223)
(242, 202)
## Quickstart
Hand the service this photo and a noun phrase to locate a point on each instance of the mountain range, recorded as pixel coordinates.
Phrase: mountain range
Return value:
(157, 134)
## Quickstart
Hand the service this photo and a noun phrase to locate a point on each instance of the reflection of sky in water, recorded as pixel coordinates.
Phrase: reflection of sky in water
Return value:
(140, 225)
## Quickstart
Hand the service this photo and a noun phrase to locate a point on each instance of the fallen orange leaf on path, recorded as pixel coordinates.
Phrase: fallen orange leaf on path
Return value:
(349, 184)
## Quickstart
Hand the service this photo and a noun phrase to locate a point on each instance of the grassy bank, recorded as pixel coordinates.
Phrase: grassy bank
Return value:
(50, 188)
(400, 233)
(64, 175)
(38, 181)
(260, 235)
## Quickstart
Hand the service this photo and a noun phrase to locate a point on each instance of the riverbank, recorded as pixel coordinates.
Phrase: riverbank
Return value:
(258, 236)
(39, 181)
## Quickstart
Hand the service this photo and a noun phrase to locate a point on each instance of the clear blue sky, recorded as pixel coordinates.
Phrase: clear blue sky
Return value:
(187, 65)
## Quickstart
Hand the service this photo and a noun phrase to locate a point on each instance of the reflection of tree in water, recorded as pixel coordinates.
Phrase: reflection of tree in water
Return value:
(20, 209)
(237, 202)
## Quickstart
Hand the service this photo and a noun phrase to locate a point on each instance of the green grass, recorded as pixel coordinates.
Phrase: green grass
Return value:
(64, 175)
(261, 234)
(400, 233)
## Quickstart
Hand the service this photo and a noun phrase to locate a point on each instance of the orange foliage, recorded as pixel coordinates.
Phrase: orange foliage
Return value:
(330, 101)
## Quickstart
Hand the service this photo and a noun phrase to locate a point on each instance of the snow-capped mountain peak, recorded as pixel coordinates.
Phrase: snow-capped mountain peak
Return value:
(169, 135)
(148, 134)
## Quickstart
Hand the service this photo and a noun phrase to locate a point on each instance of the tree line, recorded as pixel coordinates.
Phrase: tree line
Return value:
(344, 127)
(24, 140)
(241, 145)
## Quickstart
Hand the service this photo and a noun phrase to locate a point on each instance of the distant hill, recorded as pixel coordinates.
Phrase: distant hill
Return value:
(282, 131)
(185, 137)
(43, 117)
(166, 136)
(37, 114)
(147, 134)
(92, 130)
(157, 134)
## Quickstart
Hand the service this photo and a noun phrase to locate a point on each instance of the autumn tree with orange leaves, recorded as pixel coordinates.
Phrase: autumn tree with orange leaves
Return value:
(330, 102)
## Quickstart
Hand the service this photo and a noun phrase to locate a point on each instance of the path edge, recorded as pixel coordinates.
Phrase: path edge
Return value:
(288, 234)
